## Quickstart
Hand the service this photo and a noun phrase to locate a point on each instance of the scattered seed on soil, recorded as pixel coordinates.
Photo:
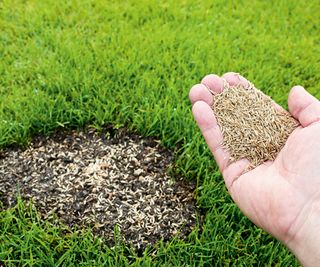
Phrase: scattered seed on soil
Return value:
(251, 125)
(88, 180)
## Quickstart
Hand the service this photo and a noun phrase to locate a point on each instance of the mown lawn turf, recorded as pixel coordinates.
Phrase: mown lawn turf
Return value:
(66, 64)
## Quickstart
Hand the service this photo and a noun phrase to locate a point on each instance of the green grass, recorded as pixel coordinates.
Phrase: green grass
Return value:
(67, 64)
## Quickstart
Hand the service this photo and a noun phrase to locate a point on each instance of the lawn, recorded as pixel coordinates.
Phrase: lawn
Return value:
(70, 64)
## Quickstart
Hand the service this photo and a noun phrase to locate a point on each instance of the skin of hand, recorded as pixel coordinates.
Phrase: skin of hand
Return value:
(282, 196)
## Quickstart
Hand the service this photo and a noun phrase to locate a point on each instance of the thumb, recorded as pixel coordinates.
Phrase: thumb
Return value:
(303, 106)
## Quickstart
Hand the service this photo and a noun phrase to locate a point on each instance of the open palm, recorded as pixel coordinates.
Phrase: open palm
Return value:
(281, 196)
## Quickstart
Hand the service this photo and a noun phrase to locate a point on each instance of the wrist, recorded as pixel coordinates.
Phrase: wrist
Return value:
(305, 243)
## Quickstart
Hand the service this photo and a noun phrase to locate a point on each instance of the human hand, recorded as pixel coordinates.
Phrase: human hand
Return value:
(280, 196)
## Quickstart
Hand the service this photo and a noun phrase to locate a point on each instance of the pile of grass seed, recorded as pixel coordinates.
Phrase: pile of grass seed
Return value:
(253, 127)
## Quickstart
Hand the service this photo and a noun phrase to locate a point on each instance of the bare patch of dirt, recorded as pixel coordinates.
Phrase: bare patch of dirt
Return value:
(90, 180)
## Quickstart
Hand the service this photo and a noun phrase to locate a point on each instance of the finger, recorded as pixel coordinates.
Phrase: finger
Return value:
(213, 82)
(207, 123)
(213, 136)
(200, 92)
(233, 171)
(303, 106)
(235, 79)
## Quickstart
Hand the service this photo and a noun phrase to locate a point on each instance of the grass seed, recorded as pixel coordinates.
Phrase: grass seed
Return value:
(90, 181)
(251, 124)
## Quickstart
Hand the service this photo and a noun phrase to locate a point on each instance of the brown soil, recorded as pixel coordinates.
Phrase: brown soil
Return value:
(89, 180)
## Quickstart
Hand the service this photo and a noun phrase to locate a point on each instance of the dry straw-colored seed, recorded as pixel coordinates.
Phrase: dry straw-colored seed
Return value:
(88, 180)
(252, 126)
